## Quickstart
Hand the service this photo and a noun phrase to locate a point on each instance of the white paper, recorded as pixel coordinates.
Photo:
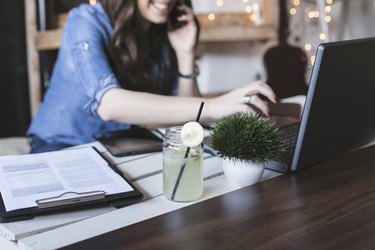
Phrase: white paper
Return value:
(24, 179)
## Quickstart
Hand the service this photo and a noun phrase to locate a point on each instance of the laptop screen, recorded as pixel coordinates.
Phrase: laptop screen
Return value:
(339, 113)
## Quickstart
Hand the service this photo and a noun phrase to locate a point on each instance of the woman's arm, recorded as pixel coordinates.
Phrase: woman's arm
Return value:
(144, 108)
(86, 38)
(186, 66)
(183, 41)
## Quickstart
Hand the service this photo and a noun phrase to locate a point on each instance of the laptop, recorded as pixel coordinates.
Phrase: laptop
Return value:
(339, 112)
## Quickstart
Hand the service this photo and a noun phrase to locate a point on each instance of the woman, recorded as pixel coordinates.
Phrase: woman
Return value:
(128, 62)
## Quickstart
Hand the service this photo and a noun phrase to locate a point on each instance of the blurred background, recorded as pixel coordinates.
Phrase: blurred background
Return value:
(241, 41)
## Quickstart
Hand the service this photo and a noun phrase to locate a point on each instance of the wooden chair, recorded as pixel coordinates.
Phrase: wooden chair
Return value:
(37, 41)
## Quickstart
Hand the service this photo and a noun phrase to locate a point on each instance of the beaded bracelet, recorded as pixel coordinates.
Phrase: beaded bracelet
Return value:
(191, 76)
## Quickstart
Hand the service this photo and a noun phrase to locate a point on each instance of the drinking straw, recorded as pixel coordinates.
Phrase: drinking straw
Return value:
(185, 157)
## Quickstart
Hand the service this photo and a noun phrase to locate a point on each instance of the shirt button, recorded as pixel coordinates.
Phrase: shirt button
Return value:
(85, 46)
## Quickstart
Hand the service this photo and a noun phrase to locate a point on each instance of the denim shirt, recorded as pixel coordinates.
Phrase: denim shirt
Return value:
(81, 75)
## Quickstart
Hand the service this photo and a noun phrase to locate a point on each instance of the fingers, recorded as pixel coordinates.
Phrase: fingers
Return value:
(186, 9)
(252, 91)
(188, 14)
(261, 105)
(248, 109)
(262, 88)
(185, 18)
(245, 100)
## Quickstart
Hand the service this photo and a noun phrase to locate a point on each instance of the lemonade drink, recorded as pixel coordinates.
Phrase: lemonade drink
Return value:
(190, 186)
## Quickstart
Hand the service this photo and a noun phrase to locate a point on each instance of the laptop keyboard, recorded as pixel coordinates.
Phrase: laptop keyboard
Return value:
(289, 135)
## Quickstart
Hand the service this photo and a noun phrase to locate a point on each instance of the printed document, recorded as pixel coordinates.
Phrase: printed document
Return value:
(25, 179)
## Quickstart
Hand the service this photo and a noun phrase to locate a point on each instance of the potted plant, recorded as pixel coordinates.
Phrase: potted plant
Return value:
(247, 143)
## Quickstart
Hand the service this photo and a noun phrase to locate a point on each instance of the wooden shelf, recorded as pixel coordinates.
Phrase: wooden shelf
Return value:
(237, 34)
(234, 27)
(49, 40)
(227, 27)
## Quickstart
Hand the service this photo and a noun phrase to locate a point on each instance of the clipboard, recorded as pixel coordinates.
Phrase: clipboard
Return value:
(74, 200)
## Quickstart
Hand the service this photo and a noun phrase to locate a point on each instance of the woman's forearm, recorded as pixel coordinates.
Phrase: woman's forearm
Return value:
(186, 66)
(144, 108)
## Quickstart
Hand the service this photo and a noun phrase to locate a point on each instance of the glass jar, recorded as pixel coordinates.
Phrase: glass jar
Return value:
(182, 175)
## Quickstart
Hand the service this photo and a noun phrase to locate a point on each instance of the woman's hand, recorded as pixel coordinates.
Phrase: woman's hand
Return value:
(233, 102)
(183, 39)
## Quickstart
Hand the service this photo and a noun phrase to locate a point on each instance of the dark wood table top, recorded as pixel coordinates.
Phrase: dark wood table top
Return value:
(328, 206)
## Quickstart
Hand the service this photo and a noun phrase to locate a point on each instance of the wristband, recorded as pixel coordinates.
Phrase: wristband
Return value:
(190, 76)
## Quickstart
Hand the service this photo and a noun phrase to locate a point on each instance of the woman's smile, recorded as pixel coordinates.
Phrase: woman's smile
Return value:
(155, 11)
(160, 7)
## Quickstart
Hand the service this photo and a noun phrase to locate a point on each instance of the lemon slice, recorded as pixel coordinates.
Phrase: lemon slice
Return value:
(192, 134)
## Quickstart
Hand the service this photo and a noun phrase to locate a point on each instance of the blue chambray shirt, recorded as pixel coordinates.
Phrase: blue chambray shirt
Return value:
(81, 75)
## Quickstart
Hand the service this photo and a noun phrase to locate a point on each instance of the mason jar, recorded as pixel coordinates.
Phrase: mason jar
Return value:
(182, 174)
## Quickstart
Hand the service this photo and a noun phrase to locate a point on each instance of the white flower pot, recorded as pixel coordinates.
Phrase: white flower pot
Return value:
(241, 174)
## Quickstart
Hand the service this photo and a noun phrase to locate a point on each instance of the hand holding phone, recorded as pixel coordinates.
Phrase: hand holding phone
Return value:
(183, 27)
(173, 22)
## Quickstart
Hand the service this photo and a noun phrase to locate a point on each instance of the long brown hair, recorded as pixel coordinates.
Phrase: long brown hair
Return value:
(137, 54)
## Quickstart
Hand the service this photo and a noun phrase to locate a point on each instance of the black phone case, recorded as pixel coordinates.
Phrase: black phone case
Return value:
(173, 24)
(132, 141)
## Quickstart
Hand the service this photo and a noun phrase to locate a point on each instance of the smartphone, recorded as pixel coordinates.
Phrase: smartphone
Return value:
(173, 23)
(132, 141)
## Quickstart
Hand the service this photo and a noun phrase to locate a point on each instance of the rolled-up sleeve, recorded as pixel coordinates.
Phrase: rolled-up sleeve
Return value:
(87, 42)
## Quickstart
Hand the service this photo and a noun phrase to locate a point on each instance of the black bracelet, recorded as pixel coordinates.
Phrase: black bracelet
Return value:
(190, 76)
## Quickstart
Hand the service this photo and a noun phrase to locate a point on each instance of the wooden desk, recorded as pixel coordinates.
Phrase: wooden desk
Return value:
(329, 206)
(55, 230)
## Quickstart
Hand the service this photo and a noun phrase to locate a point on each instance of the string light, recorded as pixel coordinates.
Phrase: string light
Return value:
(248, 9)
(255, 6)
(296, 2)
(92, 2)
(253, 17)
(293, 11)
(313, 14)
(308, 47)
(252, 9)
(211, 16)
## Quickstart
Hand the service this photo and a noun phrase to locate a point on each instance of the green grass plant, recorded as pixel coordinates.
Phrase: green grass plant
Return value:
(247, 137)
